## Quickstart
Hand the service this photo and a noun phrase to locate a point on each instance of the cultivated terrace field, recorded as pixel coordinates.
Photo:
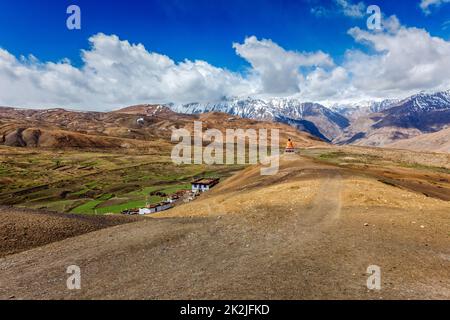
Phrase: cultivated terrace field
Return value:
(92, 182)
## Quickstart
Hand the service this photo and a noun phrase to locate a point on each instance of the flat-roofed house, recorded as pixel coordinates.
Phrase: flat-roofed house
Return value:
(162, 206)
(202, 185)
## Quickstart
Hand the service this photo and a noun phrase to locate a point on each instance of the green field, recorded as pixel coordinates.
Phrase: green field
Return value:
(93, 182)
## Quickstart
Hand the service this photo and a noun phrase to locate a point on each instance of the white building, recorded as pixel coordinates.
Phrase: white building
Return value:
(203, 185)
(144, 211)
(163, 206)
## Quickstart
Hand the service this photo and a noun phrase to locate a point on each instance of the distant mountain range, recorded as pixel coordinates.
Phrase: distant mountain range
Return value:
(419, 114)
(369, 123)
(358, 109)
(426, 112)
(310, 117)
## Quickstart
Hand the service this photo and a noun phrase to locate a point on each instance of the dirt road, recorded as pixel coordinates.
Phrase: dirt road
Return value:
(327, 203)
(309, 232)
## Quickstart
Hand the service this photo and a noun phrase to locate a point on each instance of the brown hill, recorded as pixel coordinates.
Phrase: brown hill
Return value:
(54, 138)
(132, 127)
(432, 142)
(147, 109)
(362, 132)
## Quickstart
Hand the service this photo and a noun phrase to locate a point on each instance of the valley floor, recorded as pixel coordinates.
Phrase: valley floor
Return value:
(309, 232)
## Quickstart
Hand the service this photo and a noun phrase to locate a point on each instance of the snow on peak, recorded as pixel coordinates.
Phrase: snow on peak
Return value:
(427, 101)
(254, 108)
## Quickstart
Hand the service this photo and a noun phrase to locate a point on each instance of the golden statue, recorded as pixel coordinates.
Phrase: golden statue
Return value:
(290, 147)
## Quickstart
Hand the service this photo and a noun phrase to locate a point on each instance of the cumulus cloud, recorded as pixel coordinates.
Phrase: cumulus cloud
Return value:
(321, 84)
(406, 60)
(425, 5)
(396, 62)
(114, 73)
(278, 70)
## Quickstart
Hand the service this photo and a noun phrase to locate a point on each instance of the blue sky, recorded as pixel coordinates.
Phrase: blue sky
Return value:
(193, 29)
(206, 30)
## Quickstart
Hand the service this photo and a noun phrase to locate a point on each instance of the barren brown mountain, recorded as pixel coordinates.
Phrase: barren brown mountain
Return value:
(133, 127)
(432, 142)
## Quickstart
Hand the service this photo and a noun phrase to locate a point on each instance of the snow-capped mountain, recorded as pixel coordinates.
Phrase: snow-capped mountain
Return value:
(424, 102)
(419, 114)
(355, 110)
(388, 120)
(428, 112)
(245, 108)
(311, 117)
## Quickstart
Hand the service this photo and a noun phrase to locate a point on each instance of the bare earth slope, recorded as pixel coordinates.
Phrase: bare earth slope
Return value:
(432, 142)
(24, 229)
(310, 231)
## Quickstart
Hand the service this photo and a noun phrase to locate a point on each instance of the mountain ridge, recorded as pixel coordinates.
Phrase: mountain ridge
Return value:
(368, 123)
(328, 122)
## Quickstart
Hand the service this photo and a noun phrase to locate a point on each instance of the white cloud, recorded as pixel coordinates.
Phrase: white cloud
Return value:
(321, 84)
(341, 7)
(399, 61)
(426, 4)
(278, 70)
(357, 10)
(406, 60)
(114, 73)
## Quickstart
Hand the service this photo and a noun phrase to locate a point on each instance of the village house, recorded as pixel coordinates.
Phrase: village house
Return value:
(179, 197)
(203, 185)
(154, 208)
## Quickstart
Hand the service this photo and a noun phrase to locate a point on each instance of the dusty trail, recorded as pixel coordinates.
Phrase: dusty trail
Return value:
(297, 235)
(311, 222)
(327, 203)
